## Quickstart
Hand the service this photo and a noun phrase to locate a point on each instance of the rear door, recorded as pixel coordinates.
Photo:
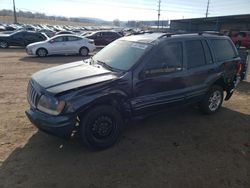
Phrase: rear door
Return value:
(17, 39)
(73, 44)
(201, 68)
(159, 82)
(32, 37)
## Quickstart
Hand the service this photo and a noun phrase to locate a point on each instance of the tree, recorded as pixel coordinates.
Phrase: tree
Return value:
(116, 22)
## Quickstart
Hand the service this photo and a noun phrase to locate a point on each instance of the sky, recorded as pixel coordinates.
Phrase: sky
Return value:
(131, 9)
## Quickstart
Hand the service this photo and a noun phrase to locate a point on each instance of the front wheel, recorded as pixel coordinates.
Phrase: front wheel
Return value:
(4, 44)
(101, 127)
(41, 52)
(212, 101)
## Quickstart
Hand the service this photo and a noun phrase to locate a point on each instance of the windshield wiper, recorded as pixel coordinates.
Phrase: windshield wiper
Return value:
(107, 66)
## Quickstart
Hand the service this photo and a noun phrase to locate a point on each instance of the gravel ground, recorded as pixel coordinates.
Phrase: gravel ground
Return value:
(182, 148)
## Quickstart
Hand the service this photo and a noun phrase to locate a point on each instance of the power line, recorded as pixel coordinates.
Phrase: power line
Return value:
(208, 1)
(159, 13)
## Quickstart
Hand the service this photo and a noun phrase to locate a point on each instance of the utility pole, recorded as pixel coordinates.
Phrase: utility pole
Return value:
(208, 2)
(159, 13)
(14, 10)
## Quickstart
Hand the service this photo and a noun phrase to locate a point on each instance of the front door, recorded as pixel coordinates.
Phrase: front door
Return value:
(160, 83)
(58, 45)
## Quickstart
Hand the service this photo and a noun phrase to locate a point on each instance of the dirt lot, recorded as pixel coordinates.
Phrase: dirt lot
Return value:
(178, 149)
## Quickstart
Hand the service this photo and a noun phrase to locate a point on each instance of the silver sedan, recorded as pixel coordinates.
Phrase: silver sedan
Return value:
(62, 44)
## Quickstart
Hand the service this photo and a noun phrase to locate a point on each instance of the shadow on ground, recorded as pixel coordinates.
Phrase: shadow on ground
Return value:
(173, 149)
(244, 87)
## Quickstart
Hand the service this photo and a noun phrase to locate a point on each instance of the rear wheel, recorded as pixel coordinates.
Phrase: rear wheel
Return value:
(84, 51)
(3, 44)
(41, 52)
(212, 100)
(101, 127)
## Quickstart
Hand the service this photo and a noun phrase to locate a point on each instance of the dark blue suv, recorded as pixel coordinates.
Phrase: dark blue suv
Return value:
(133, 76)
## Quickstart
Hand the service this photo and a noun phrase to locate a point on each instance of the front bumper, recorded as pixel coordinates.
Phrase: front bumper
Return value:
(29, 51)
(61, 126)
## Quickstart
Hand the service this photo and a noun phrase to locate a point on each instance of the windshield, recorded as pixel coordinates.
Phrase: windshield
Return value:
(121, 55)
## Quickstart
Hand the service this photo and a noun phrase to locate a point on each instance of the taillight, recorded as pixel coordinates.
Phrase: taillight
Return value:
(238, 68)
(91, 41)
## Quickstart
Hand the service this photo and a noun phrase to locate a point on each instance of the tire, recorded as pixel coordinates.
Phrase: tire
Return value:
(41, 52)
(84, 51)
(4, 44)
(101, 127)
(212, 101)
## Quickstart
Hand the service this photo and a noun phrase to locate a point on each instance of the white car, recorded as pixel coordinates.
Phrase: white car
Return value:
(62, 44)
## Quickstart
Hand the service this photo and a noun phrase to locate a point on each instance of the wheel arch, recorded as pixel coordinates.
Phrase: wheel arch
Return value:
(41, 48)
(117, 99)
(84, 47)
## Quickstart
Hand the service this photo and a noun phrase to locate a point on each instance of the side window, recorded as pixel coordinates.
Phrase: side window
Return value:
(31, 36)
(72, 38)
(209, 59)
(241, 35)
(41, 37)
(168, 59)
(98, 34)
(18, 35)
(223, 49)
(58, 39)
(195, 54)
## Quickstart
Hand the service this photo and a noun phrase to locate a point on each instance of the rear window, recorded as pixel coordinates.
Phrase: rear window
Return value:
(223, 49)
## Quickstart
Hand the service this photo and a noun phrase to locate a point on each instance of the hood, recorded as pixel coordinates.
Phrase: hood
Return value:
(72, 75)
(37, 43)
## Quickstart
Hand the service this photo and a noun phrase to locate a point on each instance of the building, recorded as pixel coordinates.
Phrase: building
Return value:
(221, 24)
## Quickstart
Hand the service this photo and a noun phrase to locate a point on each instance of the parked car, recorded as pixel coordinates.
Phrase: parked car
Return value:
(48, 32)
(242, 39)
(243, 53)
(20, 38)
(133, 76)
(62, 44)
(65, 32)
(103, 37)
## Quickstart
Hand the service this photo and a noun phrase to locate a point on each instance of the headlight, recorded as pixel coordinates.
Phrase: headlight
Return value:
(50, 105)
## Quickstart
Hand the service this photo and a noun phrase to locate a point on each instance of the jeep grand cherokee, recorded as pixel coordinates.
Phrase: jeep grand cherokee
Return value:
(133, 76)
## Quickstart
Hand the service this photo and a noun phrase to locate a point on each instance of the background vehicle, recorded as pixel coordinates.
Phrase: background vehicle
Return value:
(20, 38)
(242, 38)
(103, 37)
(133, 76)
(48, 32)
(62, 44)
(65, 32)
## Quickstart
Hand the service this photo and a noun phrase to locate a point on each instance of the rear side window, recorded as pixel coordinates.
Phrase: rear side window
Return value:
(41, 37)
(72, 38)
(195, 54)
(31, 36)
(223, 49)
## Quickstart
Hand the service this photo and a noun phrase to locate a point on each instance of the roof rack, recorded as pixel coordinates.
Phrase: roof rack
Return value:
(211, 33)
(143, 32)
